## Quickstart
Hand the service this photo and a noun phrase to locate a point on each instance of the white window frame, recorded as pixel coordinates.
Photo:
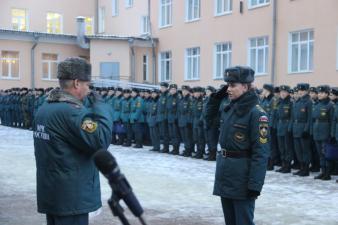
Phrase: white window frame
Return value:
(164, 60)
(145, 64)
(189, 62)
(168, 6)
(49, 62)
(102, 17)
(9, 77)
(225, 55)
(224, 4)
(265, 48)
(115, 7)
(26, 18)
(128, 3)
(258, 4)
(190, 9)
(61, 23)
(145, 25)
(299, 43)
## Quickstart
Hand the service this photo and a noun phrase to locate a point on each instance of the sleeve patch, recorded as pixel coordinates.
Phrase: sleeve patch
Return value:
(89, 125)
(263, 119)
(263, 132)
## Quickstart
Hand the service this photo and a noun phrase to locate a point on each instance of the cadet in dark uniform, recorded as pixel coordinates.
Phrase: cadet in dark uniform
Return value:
(162, 119)
(125, 117)
(117, 109)
(244, 139)
(301, 127)
(334, 120)
(147, 100)
(321, 127)
(137, 120)
(66, 135)
(315, 164)
(283, 119)
(151, 120)
(197, 124)
(172, 103)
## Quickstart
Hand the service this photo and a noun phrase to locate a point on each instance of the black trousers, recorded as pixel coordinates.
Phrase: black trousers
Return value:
(81, 219)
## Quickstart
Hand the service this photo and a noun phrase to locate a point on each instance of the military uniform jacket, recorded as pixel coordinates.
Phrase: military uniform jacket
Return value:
(117, 107)
(125, 110)
(334, 122)
(275, 104)
(301, 116)
(283, 116)
(197, 108)
(268, 104)
(66, 135)
(137, 108)
(152, 112)
(162, 107)
(243, 127)
(321, 120)
(172, 103)
(184, 111)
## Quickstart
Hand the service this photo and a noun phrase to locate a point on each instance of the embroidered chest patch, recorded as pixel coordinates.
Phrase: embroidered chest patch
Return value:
(89, 125)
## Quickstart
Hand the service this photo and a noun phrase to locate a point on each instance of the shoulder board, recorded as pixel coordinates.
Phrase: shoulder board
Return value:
(260, 108)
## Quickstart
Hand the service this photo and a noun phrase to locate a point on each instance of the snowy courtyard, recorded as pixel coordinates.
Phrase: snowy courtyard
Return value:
(173, 190)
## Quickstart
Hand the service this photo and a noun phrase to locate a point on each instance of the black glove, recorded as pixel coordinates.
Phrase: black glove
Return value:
(93, 97)
(253, 194)
(222, 93)
(305, 134)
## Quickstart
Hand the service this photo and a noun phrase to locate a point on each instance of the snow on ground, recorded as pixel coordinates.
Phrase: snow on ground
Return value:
(173, 190)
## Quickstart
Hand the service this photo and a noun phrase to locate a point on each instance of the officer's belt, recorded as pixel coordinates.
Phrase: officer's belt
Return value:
(235, 154)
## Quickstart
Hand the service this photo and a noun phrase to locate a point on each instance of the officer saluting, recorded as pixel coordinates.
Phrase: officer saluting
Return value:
(242, 162)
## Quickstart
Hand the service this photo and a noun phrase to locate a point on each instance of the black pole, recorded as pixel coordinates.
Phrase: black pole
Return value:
(117, 209)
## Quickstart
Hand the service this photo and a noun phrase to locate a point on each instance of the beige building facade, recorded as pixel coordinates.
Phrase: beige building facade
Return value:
(179, 41)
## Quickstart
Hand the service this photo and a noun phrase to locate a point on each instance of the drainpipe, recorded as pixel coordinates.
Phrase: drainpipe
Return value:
(35, 43)
(152, 46)
(81, 33)
(96, 16)
(132, 60)
(274, 37)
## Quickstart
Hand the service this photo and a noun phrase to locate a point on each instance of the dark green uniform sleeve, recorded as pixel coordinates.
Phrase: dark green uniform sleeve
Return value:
(259, 138)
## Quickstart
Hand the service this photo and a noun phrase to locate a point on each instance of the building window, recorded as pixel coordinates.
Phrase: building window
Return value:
(165, 13)
(165, 66)
(19, 19)
(192, 10)
(49, 66)
(54, 23)
(192, 64)
(128, 3)
(222, 58)
(145, 25)
(102, 15)
(115, 7)
(259, 54)
(223, 7)
(301, 51)
(89, 25)
(258, 3)
(145, 68)
(10, 64)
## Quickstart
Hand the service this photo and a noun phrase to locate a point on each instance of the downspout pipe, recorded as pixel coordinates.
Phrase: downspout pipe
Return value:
(96, 16)
(132, 60)
(154, 77)
(35, 43)
(274, 37)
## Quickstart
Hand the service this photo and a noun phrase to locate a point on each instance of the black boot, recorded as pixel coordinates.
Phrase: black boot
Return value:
(295, 166)
(306, 171)
(212, 155)
(321, 174)
(198, 155)
(165, 149)
(326, 175)
(282, 168)
(314, 168)
(299, 171)
(175, 151)
(287, 168)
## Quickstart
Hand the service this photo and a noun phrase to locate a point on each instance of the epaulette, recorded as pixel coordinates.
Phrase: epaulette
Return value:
(260, 108)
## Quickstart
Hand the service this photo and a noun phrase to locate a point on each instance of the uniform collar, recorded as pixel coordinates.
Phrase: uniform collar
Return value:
(58, 95)
(243, 104)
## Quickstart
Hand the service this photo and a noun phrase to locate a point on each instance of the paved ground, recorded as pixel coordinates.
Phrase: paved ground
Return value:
(173, 190)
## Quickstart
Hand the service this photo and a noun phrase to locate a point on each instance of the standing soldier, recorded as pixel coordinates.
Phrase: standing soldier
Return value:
(110, 101)
(210, 128)
(147, 100)
(242, 161)
(321, 127)
(334, 120)
(301, 126)
(185, 121)
(172, 103)
(275, 155)
(117, 109)
(25, 107)
(267, 104)
(197, 125)
(315, 164)
(151, 120)
(162, 119)
(125, 117)
(283, 119)
(137, 119)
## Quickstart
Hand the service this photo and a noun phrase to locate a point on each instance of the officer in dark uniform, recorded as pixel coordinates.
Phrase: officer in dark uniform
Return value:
(172, 103)
(321, 127)
(211, 128)
(147, 100)
(267, 104)
(244, 140)
(275, 153)
(315, 164)
(151, 120)
(162, 119)
(185, 120)
(125, 117)
(197, 124)
(137, 118)
(66, 135)
(283, 118)
(301, 127)
(117, 109)
(334, 120)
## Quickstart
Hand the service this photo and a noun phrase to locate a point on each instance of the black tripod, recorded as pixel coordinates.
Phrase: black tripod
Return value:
(117, 210)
